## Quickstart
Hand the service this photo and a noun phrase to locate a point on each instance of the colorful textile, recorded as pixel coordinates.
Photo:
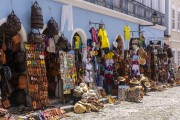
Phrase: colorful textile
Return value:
(93, 32)
(127, 34)
(104, 38)
(109, 55)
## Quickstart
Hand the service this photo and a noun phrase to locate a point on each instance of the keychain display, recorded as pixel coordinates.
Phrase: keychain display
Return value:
(36, 69)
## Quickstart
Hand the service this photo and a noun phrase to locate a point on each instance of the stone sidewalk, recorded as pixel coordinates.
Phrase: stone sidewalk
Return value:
(157, 106)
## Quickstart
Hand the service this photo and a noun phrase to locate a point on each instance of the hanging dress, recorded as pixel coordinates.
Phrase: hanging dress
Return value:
(104, 38)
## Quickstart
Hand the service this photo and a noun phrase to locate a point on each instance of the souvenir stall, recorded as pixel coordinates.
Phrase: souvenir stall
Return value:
(132, 84)
(98, 72)
(119, 76)
(13, 80)
(78, 52)
(23, 72)
(159, 64)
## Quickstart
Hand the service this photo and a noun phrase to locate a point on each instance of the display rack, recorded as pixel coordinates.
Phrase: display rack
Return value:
(37, 79)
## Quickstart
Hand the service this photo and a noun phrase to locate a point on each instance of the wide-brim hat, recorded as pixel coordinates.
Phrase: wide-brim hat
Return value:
(85, 89)
(78, 88)
(84, 95)
(82, 85)
(134, 81)
(121, 79)
(94, 108)
(91, 93)
(79, 108)
(143, 54)
(135, 88)
(143, 79)
(147, 84)
(142, 61)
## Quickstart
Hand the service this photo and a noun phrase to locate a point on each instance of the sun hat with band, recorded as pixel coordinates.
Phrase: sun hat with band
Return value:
(134, 81)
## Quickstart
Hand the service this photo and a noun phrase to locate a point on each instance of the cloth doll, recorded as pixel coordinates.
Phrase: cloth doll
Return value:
(135, 69)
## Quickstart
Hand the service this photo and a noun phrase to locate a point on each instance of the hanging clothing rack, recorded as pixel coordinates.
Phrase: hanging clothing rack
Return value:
(101, 23)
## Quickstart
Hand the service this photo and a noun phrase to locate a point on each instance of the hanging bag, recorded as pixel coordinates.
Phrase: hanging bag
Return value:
(8, 42)
(53, 26)
(16, 38)
(7, 72)
(13, 23)
(35, 38)
(36, 16)
(63, 44)
(19, 62)
(22, 83)
(2, 57)
(4, 44)
(6, 103)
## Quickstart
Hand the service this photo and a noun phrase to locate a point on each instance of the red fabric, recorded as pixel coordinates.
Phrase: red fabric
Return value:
(93, 32)
(109, 78)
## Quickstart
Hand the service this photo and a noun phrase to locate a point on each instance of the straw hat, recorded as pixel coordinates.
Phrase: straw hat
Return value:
(135, 88)
(94, 108)
(142, 61)
(147, 84)
(143, 79)
(134, 81)
(85, 89)
(140, 50)
(78, 88)
(84, 95)
(122, 79)
(143, 54)
(79, 108)
(91, 93)
(82, 85)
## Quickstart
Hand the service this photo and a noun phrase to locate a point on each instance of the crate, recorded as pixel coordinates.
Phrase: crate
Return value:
(122, 92)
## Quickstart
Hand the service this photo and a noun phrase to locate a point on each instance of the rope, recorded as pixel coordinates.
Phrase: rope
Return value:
(12, 5)
(50, 10)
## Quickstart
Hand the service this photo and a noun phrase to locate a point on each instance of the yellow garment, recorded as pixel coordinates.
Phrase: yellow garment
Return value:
(104, 38)
(109, 55)
(127, 33)
(77, 42)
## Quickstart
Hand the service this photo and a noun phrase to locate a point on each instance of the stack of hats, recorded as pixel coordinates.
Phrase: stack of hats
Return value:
(134, 84)
(119, 79)
(79, 90)
(135, 93)
(145, 81)
(88, 103)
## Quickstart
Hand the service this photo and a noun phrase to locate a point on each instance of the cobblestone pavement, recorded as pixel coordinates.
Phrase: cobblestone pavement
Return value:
(158, 106)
